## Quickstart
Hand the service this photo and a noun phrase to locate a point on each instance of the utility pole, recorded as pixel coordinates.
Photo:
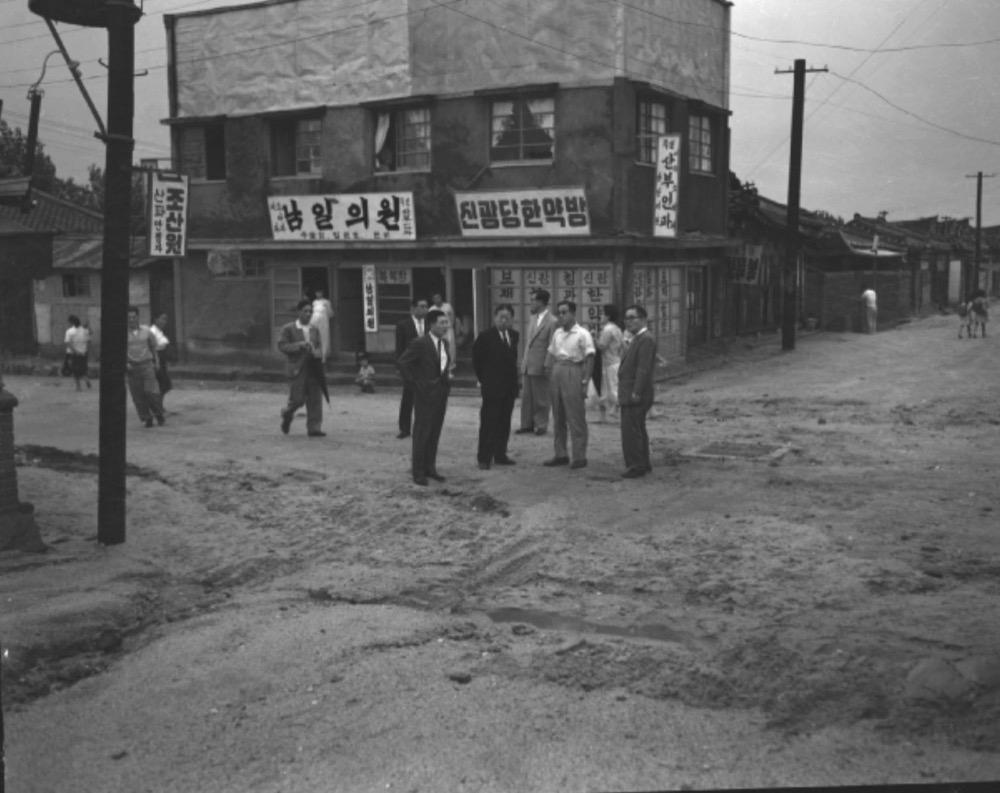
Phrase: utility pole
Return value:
(790, 279)
(119, 17)
(979, 222)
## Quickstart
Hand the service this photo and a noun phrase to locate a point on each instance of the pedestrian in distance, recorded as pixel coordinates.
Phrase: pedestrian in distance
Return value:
(494, 359)
(158, 328)
(635, 393)
(536, 367)
(406, 331)
(366, 375)
(426, 365)
(77, 340)
(301, 344)
(869, 302)
(979, 313)
(140, 369)
(571, 353)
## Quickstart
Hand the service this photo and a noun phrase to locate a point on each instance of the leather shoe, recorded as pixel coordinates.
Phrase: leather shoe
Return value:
(286, 422)
(436, 477)
(317, 434)
(403, 435)
(160, 420)
(524, 431)
(634, 473)
(420, 480)
(541, 431)
(149, 422)
(556, 461)
(484, 466)
(578, 464)
(504, 461)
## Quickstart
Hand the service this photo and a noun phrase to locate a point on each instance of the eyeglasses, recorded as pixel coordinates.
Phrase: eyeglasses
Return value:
(631, 316)
(562, 311)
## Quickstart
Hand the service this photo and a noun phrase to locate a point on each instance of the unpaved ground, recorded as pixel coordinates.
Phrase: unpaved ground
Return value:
(293, 614)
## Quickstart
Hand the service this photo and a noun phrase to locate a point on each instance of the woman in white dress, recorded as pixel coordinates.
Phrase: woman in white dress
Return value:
(611, 343)
(322, 313)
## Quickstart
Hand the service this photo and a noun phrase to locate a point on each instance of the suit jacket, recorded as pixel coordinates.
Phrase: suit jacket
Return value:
(420, 367)
(536, 347)
(635, 375)
(288, 339)
(495, 363)
(406, 331)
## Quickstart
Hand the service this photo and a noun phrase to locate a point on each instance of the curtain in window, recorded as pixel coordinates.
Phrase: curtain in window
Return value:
(382, 125)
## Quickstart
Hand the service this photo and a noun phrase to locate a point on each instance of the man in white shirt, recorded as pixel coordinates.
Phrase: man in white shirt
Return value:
(870, 302)
(571, 353)
(158, 328)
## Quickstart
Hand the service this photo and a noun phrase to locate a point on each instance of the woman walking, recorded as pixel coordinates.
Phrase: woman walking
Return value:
(611, 343)
(77, 344)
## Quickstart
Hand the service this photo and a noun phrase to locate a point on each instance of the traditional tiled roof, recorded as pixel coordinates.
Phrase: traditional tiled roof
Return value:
(54, 215)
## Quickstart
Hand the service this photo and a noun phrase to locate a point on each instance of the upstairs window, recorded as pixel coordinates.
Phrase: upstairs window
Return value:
(650, 125)
(403, 140)
(522, 129)
(700, 144)
(202, 151)
(76, 285)
(295, 146)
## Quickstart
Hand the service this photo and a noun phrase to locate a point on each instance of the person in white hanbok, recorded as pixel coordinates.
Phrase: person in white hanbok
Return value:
(322, 313)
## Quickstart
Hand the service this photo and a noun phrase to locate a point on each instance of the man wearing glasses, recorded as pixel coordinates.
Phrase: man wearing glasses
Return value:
(572, 354)
(635, 393)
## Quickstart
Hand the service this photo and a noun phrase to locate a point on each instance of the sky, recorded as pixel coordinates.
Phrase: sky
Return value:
(904, 117)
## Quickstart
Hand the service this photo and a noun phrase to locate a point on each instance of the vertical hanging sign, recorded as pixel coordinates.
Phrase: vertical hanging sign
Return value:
(370, 307)
(668, 172)
(167, 213)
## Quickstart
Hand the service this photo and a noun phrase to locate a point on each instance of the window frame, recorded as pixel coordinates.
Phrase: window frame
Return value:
(701, 151)
(287, 133)
(396, 138)
(646, 139)
(521, 145)
(201, 151)
(71, 283)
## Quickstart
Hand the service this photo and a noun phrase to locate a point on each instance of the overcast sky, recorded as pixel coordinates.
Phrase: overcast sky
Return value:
(908, 108)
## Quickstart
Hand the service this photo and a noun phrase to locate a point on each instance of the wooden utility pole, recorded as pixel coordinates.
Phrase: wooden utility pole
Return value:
(790, 279)
(979, 223)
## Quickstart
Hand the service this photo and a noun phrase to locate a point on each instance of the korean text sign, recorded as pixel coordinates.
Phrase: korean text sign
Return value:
(345, 217)
(167, 212)
(668, 172)
(370, 308)
(519, 213)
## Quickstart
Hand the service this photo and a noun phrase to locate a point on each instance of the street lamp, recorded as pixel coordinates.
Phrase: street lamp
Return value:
(119, 17)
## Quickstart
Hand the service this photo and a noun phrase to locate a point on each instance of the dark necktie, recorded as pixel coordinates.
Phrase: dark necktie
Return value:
(505, 339)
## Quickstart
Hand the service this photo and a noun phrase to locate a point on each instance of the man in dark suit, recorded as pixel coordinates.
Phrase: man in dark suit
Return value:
(406, 331)
(425, 367)
(494, 359)
(635, 392)
(301, 344)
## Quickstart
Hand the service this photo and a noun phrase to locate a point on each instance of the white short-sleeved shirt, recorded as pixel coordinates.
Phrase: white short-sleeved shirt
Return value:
(572, 345)
(77, 339)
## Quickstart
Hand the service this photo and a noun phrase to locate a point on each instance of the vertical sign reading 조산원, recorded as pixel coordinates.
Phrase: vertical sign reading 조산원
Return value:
(167, 213)
(668, 172)
(370, 308)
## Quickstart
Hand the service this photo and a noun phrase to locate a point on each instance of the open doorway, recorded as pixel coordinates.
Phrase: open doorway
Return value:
(315, 279)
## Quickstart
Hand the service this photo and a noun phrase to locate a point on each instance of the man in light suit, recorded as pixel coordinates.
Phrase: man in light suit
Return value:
(535, 366)
(406, 331)
(494, 359)
(301, 344)
(635, 393)
(425, 367)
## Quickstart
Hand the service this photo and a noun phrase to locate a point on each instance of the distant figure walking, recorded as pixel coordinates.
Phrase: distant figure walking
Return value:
(869, 301)
(77, 342)
(140, 367)
(158, 329)
(979, 313)
(300, 343)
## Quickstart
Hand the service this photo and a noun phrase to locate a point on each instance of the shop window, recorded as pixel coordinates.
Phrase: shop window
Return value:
(394, 290)
(76, 285)
(403, 140)
(296, 146)
(202, 151)
(650, 125)
(700, 144)
(522, 129)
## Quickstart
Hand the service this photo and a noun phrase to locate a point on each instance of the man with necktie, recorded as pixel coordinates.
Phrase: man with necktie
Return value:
(425, 367)
(494, 359)
(406, 331)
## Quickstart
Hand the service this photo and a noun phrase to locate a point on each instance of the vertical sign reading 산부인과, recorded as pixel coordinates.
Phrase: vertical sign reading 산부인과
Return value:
(668, 171)
(167, 213)
(370, 297)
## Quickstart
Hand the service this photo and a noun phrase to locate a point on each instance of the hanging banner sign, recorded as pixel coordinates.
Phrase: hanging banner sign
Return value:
(668, 175)
(342, 217)
(746, 269)
(370, 297)
(167, 214)
(519, 213)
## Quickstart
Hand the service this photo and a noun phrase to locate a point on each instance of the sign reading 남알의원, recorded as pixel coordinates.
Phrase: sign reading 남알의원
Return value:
(517, 213)
(359, 216)
(668, 171)
(167, 213)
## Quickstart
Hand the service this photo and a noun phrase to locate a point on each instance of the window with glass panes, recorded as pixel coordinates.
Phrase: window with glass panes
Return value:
(652, 123)
(296, 146)
(403, 140)
(522, 129)
(700, 144)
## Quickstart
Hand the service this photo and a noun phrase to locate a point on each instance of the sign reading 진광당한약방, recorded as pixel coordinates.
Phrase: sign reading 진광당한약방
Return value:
(167, 214)
(342, 217)
(668, 172)
(517, 213)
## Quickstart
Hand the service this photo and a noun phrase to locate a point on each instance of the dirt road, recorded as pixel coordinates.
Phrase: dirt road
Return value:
(803, 593)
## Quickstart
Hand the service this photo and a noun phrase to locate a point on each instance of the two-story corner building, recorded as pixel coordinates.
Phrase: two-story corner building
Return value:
(478, 148)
